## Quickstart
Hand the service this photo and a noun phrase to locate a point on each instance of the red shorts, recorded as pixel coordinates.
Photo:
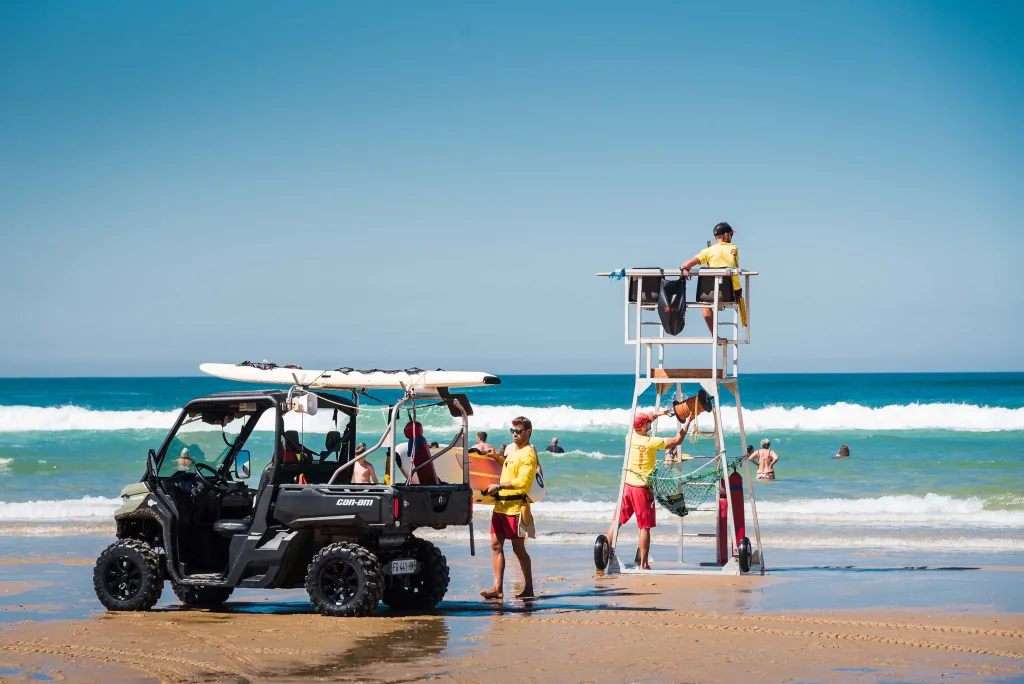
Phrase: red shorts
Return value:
(638, 500)
(504, 526)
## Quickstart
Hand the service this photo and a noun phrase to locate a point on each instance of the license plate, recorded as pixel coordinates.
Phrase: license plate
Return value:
(403, 567)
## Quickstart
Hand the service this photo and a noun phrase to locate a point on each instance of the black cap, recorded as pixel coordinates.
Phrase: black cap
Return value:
(723, 228)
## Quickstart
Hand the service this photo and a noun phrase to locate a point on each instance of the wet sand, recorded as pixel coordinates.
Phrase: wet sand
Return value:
(946, 623)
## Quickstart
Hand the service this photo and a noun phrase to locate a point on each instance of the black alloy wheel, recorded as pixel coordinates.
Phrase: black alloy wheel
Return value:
(127, 576)
(344, 580)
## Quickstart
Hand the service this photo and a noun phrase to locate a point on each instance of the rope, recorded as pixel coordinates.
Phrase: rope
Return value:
(696, 434)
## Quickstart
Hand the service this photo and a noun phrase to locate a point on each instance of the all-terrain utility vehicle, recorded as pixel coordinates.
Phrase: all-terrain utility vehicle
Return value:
(192, 520)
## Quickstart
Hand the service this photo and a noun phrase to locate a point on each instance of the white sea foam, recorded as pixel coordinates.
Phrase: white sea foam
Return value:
(841, 416)
(930, 510)
(86, 508)
(771, 541)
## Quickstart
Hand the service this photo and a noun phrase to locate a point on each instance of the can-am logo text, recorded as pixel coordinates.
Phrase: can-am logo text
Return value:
(354, 502)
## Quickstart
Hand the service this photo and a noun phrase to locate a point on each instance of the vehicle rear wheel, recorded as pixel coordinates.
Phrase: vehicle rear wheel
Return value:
(127, 576)
(344, 580)
(424, 589)
(201, 596)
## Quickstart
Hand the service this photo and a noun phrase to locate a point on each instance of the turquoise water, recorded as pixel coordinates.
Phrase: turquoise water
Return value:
(935, 457)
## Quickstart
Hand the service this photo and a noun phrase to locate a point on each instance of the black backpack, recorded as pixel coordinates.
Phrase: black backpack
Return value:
(672, 305)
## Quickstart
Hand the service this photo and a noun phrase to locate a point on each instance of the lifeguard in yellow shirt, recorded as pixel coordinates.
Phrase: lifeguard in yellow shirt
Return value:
(637, 498)
(722, 254)
(511, 515)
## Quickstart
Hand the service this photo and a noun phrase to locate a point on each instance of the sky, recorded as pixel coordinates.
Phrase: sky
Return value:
(437, 184)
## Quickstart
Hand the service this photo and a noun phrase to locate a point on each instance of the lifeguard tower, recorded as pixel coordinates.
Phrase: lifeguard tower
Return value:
(700, 483)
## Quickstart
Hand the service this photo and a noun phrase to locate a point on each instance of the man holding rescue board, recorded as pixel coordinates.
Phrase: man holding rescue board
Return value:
(511, 518)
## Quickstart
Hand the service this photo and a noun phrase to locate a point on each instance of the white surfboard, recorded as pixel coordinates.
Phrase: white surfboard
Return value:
(333, 379)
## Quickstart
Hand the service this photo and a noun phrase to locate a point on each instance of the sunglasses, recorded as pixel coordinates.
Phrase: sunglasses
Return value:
(518, 431)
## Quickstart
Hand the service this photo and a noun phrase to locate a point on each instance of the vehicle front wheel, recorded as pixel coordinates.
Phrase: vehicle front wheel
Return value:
(201, 596)
(127, 576)
(425, 589)
(344, 580)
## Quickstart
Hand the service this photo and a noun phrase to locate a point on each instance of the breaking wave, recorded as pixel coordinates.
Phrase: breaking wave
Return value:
(898, 510)
(86, 508)
(840, 416)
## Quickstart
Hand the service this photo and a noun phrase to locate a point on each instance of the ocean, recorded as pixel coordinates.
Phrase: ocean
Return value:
(935, 464)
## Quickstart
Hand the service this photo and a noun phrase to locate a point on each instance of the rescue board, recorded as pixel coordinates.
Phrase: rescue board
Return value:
(340, 380)
(483, 472)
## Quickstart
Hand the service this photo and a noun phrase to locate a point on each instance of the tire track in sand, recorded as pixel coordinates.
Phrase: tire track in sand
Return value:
(166, 669)
(839, 636)
(767, 617)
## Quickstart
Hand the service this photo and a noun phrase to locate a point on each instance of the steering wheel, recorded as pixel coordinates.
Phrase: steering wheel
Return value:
(216, 481)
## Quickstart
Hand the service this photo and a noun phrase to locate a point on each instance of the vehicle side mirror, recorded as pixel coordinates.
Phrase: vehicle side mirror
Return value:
(151, 463)
(242, 464)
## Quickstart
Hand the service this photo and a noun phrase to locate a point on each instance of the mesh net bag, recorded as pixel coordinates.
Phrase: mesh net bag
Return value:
(679, 492)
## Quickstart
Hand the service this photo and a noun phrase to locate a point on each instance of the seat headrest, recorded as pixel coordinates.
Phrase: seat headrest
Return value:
(291, 438)
(333, 441)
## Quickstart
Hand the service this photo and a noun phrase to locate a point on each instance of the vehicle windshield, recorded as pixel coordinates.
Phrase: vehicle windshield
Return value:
(199, 441)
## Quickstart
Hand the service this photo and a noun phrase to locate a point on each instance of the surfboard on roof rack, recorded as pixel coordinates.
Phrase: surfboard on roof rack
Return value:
(345, 379)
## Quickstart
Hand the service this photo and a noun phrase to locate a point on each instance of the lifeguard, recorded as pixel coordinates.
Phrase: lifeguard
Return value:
(636, 496)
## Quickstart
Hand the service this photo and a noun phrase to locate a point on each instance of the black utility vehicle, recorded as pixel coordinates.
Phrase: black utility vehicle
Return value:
(192, 519)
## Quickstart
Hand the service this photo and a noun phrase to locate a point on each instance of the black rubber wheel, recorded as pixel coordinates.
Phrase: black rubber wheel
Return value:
(602, 551)
(127, 576)
(344, 580)
(743, 554)
(201, 596)
(425, 589)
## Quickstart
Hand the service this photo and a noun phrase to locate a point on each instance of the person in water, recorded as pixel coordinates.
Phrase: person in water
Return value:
(554, 448)
(722, 254)
(765, 458)
(511, 517)
(844, 452)
(481, 446)
(637, 497)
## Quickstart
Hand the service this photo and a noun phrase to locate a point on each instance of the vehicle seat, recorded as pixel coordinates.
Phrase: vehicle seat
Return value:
(229, 528)
(332, 445)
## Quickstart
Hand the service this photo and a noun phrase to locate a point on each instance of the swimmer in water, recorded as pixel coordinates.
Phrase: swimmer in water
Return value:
(844, 452)
(765, 458)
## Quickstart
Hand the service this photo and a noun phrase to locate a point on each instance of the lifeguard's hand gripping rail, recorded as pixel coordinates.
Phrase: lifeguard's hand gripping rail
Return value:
(647, 334)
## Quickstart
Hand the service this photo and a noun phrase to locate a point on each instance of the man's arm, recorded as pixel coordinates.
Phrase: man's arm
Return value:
(690, 264)
(675, 441)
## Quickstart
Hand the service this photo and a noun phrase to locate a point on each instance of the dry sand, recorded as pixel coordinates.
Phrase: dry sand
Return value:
(665, 629)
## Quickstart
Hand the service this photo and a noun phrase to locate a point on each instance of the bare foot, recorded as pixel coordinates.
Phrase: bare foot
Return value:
(645, 566)
(491, 594)
(525, 594)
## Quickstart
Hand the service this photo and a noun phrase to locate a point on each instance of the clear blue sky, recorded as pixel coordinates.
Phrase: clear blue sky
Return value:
(435, 184)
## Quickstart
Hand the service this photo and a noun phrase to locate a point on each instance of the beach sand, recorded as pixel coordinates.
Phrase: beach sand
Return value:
(946, 624)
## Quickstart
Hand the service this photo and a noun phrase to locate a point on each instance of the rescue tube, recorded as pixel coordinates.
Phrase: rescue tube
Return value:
(419, 453)
(738, 516)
